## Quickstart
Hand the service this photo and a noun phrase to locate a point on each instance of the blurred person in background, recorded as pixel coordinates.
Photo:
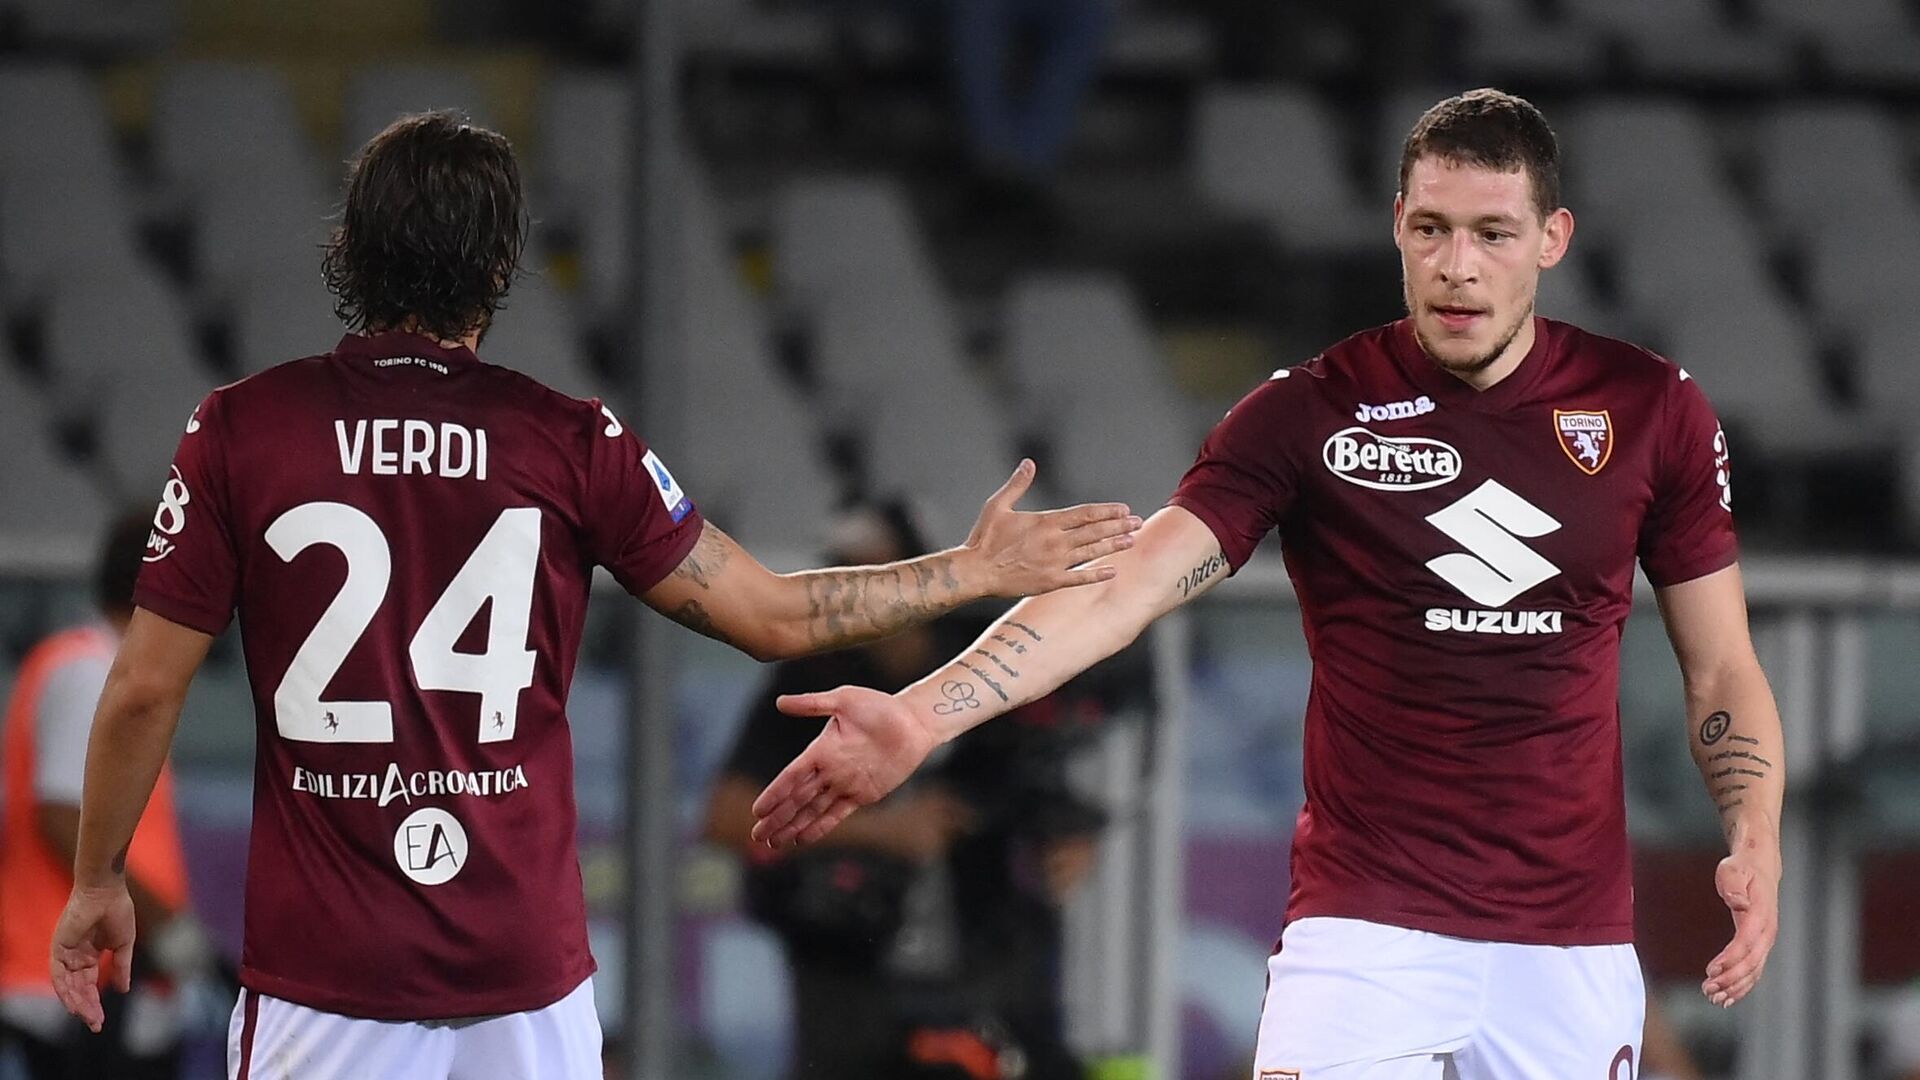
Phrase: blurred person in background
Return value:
(1021, 69)
(48, 722)
(923, 936)
(1900, 1044)
(1663, 1055)
(1462, 496)
(407, 534)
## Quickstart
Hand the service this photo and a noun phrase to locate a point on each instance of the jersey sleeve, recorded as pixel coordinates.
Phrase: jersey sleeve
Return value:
(192, 573)
(1688, 532)
(1244, 480)
(639, 523)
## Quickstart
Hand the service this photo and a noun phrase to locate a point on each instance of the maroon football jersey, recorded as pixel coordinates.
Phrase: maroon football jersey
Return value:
(1464, 564)
(408, 535)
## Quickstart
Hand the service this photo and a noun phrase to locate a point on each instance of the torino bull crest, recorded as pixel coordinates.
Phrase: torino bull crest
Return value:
(1587, 437)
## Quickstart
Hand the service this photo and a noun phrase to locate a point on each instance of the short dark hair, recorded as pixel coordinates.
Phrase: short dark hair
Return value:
(1490, 129)
(122, 553)
(432, 231)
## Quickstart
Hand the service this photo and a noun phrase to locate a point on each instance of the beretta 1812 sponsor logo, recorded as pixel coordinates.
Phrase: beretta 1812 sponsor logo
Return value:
(1408, 463)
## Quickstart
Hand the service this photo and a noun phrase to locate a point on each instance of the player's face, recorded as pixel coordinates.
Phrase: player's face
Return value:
(1472, 245)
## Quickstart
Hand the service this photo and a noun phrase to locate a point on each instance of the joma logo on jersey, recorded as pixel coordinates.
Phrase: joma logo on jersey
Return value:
(1587, 437)
(1493, 622)
(1358, 456)
(1395, 410)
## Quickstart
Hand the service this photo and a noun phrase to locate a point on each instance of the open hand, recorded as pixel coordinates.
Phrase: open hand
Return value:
(1026, 553)
(96, 921)
(1749, 882)
(871, 743)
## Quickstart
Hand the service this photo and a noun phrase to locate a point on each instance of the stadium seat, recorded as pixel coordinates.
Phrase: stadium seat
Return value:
(1567, 294)
(1688, 41)
(1608, 146)
(1509, 40)
(121, 355)
(585, 125)
(1398, 113)
(1133, 451)
(1820, 164)
(64, 133)
(1861, 42)
(98, 25)
(55, 228)
(221, 127)
(537, 334)
(1680, 260)
(1759, 368)
(1080, 337)
(1274, 154)
(48, 499)
(378, 95)
(282, 311)
(1861, 269)
(838, 235)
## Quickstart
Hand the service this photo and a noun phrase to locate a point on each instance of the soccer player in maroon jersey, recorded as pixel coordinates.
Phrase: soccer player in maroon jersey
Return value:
(1461, 497)
(408, 536)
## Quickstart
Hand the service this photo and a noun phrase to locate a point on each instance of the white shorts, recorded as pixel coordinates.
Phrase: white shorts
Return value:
(1355, 1000)
(271, 1039)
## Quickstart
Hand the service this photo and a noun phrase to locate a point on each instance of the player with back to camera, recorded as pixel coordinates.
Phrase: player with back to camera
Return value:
(1461, 496)
(408, 535)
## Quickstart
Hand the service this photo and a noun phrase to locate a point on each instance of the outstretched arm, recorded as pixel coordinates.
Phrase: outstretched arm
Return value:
(132, 729)
(721, 591)
(1734, 733)
(874, 741)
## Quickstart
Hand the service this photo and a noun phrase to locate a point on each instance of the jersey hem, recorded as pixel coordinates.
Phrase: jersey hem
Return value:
(1474, 929)
(173, 609)
(1217, 525)
(462, 1007)
(1694, 568)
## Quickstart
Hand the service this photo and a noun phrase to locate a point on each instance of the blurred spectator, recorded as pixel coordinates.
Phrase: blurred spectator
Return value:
(1021, 69)
(48, 721)
(923, 934)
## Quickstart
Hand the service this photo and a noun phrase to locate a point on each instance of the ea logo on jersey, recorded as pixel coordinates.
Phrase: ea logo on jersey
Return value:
(1587, 437)
(1358, 456)
(669, 489)
(430, 846)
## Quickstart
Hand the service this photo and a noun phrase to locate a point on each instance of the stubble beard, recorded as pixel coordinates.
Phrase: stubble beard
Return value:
(1474, 365)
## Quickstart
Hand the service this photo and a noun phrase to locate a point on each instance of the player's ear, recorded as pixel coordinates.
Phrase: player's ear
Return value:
(1558, 228)
(1399, 205)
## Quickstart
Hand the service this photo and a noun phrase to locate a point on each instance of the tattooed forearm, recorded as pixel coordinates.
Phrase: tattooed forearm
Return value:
(1025, 629)
(1743, 755)
(1015, 647)
(999, 663)
(988, 680)
(1733, 765)
(120, 860)
(848, 607)
(958, 696)
(1201, 574)
(693, 615)
(1714, 727)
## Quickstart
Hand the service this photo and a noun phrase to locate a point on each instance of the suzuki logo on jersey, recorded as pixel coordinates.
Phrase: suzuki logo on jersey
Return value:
(1493, 622)
(669, 489)
(1395, 410)
(1358, 456)
(430, 846)
(1587, 437)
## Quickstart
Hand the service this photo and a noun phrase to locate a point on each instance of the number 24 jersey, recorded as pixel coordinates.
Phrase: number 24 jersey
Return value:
(408, 535)
(1464, 565)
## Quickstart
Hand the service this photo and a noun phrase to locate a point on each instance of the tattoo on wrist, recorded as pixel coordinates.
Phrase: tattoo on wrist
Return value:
(988, 680)
(709, 556)
(1025, 629)
(1013, 646)
(1200, 575)
(1743, 755)
(999, 663)
(1714, 727)
(960, 697)
(1743, 739)
(693, 615)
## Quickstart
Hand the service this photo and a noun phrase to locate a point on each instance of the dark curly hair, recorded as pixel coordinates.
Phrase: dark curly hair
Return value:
(1491, 130)
(432, 230)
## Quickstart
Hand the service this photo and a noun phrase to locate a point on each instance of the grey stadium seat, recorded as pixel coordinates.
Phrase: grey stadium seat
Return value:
(1072, 337)
(55, 228)
(54, 122)
(537, 334)
(1508, 39)
(115, 25)
(219, 127)
(586, 124)
(1677, 261)
(834, 235)
(282, 311)
(1690, 40)
(1274, 154)
(1632, 160)
(1822, 162)
(1760, 369)
(1862, 270)
(378, 95)
(44, 498)
(1864, 42)
(942, 439)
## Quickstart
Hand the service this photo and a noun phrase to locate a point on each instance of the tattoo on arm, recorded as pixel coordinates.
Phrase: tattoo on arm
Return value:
(1025, 629)
(999, 663)
(120, 860)
(1013, 646)
(847, 607)
(1714, 727)
(709, 556)
(988, 680)
(693, 615)
(1726, 780)
(960, 697)
(1201, 574)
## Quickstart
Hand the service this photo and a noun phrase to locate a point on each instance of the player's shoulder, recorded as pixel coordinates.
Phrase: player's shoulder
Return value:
(1627, 368)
